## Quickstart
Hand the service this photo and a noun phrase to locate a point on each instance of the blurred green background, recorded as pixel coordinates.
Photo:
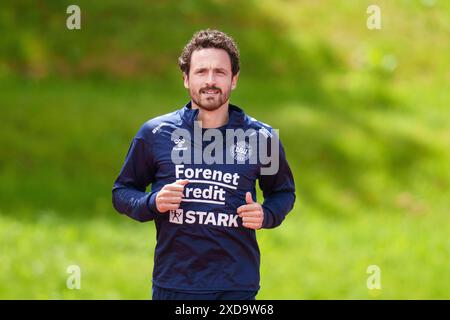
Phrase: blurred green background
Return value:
(363, 114)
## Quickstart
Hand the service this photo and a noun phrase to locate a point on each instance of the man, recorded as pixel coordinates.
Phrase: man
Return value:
(205, 212)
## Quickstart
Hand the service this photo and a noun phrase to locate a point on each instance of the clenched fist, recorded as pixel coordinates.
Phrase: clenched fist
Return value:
(252, 213)
(169, 197)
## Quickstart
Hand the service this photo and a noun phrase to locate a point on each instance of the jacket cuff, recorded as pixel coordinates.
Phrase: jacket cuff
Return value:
(267, 222)
(151, 202)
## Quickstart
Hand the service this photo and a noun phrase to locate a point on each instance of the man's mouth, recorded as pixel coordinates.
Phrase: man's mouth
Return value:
(210, 91)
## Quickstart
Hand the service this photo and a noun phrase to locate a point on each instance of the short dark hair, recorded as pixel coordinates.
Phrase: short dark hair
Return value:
(209, 39)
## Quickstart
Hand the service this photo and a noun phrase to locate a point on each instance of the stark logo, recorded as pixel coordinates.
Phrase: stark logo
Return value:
(241, 151)
(202, 217)
(176, 216)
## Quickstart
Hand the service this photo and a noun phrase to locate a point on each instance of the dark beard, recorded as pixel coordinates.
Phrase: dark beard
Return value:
(211, 103)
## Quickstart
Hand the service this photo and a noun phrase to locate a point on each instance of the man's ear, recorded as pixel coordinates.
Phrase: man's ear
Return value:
(234, 81)
(186, 80)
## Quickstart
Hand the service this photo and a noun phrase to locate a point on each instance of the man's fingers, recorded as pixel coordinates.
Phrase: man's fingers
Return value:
(248, 198)
(174, 187)
(245, 207)
(251, 219)
(252, 225)
(168, 206)
(168, 193)
(170, 196)
(171, 199)
(177, 185)
(182, 182)
(251, 214)
(248, 207)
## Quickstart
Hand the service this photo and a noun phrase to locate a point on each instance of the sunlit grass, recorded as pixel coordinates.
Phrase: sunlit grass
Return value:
(363, 116)
(310, 256)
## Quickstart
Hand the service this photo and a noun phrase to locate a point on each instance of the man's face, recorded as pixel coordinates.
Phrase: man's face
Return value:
(210, 79)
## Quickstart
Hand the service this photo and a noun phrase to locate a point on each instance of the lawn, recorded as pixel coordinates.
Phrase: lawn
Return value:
(363, 116)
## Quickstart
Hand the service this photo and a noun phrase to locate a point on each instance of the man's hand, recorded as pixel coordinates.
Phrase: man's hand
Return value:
(169, 197)
(252, 213)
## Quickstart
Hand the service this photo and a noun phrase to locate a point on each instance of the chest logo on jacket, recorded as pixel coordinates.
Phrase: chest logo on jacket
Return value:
(241, 151)
(231, 146)
(216, 182)
(202, 217)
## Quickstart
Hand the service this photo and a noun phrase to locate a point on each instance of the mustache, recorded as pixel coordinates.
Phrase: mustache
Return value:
(209, 88)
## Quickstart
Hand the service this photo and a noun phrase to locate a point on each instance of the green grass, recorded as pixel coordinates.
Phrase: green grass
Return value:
(380, 206)
(114, 259)
(309, 257)
(363, 116)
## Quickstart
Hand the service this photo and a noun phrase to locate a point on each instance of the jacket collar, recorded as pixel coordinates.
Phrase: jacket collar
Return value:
(236, 116)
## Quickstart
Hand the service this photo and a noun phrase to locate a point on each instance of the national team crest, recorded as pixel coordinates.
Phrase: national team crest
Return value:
(241, 151)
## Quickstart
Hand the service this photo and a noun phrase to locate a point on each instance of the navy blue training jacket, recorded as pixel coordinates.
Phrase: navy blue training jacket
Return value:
(202, 246)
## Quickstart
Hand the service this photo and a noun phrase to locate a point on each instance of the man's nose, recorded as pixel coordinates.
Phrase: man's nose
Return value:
(211, 79)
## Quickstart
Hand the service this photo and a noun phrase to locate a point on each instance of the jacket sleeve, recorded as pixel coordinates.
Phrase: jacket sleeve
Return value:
(278, 191)
(128, 193)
